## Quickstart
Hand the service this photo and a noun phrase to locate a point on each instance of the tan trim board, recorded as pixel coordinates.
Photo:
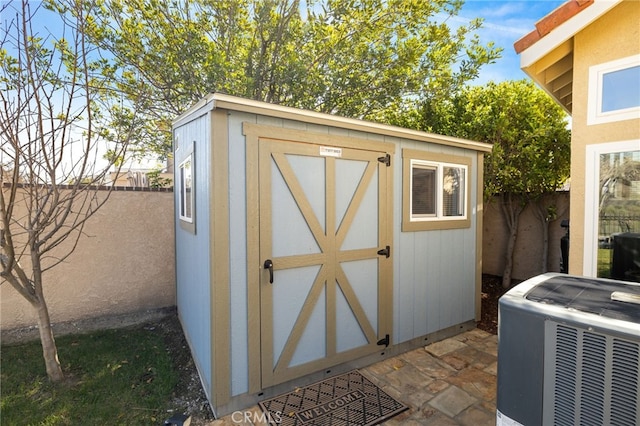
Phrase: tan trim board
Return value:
(264, 226)
(298, 261)
(282, 134)
(273, 143)
(326, 364)
(330, 288)
(479, 230)
(407, 224)
(219, 235)
(253, 260)
(385, 268)
(357, 254)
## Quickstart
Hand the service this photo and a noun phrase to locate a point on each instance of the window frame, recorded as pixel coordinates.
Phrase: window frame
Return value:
(187, 222)
(439, 162)
(595, 92)
(592, 202)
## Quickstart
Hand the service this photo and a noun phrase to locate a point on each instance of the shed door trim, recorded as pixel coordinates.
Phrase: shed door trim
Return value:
(257, 135)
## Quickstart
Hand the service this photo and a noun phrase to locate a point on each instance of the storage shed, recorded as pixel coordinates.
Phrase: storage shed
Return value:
(309, 244)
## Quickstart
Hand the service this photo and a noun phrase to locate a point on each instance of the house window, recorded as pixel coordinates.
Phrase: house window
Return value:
(614, 91)
(612, 194)
(435, 191)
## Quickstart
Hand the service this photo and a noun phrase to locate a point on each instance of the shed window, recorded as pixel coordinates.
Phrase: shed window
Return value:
(186, 190)
(435, 191)
(614, 91)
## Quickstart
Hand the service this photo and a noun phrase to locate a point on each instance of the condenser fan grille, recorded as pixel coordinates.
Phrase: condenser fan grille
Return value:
(590, 378)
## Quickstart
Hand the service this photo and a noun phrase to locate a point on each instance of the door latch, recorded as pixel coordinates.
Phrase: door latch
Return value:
(384, 341)
(386, 160)
(385, 252)
(268, 264)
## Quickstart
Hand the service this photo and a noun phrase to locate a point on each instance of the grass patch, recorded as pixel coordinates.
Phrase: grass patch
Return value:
(113, 377)
(604, 262)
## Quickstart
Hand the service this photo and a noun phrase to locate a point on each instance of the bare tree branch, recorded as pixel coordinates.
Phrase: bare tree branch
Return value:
(54, 98)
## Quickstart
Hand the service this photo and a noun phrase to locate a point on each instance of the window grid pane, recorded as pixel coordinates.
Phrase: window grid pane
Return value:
(423, 191)
(621, 89)
(453, 179)
(186, 201)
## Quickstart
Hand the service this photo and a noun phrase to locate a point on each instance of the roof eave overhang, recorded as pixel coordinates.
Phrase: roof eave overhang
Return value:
(565, 31)
(556, 46)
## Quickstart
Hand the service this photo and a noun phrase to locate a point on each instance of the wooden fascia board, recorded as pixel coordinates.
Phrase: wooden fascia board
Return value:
(199, 109)
(219, 260)
(564, 32)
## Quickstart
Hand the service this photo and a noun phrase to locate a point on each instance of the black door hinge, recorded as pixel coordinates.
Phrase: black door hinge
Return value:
(384, 341)
(386, 159)
(385, 252)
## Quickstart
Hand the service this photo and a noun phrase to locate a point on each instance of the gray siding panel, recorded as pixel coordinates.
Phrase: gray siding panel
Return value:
(193, 250)
(434, 271)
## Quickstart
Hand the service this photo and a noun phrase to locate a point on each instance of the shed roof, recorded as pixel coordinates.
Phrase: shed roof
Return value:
(546, 53)
(234, 103)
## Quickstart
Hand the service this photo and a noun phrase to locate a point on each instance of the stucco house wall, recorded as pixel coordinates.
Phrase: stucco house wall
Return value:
(615, 35)
(569, 54)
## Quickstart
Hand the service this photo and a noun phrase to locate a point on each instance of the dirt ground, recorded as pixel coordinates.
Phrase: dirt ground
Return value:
(491, 291)
(188, 397)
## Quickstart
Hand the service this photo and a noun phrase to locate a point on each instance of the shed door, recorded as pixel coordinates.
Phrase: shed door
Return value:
(322, 223)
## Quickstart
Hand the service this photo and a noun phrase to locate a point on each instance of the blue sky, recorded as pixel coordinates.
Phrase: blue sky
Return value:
(504, 23)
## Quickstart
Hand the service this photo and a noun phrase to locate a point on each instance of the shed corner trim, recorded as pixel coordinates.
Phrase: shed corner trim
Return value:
(201, 108)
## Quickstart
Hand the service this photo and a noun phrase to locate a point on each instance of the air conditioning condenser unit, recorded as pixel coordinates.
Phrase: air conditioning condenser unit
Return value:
(569, 352)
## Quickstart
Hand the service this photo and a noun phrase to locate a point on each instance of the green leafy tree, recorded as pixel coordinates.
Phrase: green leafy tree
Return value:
(531, 147)
(55, 106)
(356, 58)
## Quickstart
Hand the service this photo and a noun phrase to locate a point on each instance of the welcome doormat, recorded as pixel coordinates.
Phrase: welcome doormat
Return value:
(346, 400)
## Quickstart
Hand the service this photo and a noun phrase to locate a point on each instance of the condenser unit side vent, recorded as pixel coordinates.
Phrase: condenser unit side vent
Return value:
(590, 378)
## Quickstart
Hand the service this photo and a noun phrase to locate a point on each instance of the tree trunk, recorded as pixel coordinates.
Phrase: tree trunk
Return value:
(545, 247)
(542, 213)
(49, 349)
(511, 209)
(508, 266)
